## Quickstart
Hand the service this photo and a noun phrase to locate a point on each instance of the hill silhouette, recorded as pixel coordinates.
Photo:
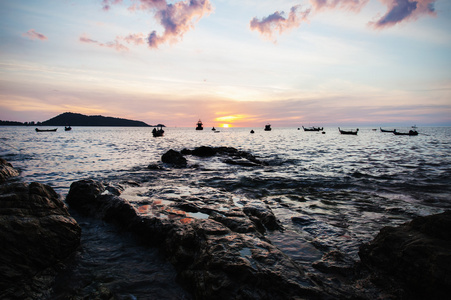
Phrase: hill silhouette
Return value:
(74, 119)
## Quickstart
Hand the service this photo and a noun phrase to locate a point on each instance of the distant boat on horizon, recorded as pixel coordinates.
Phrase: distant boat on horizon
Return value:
(313, 128)
(385, 130)
(158, 131)
(46, 130)
(199, 125)
(349, 132)
(411, 132)
(268, 127)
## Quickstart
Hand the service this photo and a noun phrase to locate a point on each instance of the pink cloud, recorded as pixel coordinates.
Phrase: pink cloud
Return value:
(177, 19)
(277, 22)
(107, 4)
(137, 39)
(113, 44)
(355, 5)
(404, 10)
(33, 35)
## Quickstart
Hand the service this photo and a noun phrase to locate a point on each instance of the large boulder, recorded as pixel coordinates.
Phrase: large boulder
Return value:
(174, 158)
(417, 255)
(37, 233)
(6, 170)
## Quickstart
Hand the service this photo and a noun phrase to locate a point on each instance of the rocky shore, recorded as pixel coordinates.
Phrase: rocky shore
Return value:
(37, 235)
(219, 247)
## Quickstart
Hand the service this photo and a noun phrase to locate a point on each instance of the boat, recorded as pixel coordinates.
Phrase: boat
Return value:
(384, 130)
(411, 132)
(214, 129)
(351, 132)
(268, 127)
(252, 131)
(46, 130)
(67, 128)
(313, 128)
(199, 125)
(158, 131)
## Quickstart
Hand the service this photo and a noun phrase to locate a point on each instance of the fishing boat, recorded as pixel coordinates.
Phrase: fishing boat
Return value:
(350, 132)
(46, 130)
(199, 125)
(214, 129)
(384, 130)
(268, 127)
(411, 132)
(67, 128)
(252, 131)
(158, 131)
(313, 128)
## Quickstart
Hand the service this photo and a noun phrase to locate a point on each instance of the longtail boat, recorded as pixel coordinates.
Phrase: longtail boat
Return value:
(46, 130)
(351, 132)
(313, 128)
(411, 132)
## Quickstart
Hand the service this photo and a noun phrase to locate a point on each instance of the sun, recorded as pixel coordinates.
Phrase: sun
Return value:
(225, 125)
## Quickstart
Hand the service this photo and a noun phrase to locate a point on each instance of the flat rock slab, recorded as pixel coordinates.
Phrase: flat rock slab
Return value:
(222, 255)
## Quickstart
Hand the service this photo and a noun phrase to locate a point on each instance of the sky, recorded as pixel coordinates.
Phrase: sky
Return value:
(245, 63)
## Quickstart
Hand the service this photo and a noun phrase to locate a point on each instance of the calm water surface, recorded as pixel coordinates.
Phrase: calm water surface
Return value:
(330, 191)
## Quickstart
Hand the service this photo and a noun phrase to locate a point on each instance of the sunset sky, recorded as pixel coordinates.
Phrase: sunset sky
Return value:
(238, 62)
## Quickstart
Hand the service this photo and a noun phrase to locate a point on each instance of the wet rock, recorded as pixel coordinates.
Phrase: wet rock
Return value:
(37, 235)
(233, 156)
(83, 194)
(204, 151)
(7, 170)
(174, 158)
(417, 255)
(221, 257)
(263, 213)
(335, 262)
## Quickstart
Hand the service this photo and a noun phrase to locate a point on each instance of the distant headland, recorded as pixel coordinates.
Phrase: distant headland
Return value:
(75, 119)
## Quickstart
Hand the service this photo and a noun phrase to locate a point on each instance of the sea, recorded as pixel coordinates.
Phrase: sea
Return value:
(342, 188)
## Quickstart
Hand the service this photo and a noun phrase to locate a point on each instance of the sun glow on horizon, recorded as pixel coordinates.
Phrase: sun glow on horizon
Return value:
(226, 125)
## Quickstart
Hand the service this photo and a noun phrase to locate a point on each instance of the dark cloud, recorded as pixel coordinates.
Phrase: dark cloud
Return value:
(33, 35)
(277, 22)
(403, 10)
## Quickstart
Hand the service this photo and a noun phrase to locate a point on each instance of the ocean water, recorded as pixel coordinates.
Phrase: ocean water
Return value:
(330, 191)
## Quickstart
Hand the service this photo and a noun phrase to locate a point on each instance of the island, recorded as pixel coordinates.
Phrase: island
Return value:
(76, 119)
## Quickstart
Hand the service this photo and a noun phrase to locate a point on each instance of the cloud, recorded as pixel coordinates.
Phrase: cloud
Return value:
(114, 44)
(403, 10)
(177, 19)
(355, 5)
(33, 35)
(137, 39)
(107, 4)
(277, 21)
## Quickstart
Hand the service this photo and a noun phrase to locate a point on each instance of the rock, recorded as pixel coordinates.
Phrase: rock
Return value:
(223, 256)
(37, 235)
(6, 170)
(83, 194)
(234, 156)
(263, 213)
(174, 158)
(417, 255)
(204, 151)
